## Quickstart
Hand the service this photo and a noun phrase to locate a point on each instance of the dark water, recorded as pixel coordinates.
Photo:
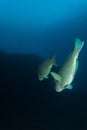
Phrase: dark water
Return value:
(31, 31)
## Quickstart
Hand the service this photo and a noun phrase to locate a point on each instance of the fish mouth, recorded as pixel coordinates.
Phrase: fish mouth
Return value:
(40, 77)
(58, 88)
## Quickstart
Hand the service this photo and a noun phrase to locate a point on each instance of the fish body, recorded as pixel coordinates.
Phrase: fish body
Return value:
(46, 67)
(66, 74)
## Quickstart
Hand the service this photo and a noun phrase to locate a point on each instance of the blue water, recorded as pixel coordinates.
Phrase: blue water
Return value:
(31, 31)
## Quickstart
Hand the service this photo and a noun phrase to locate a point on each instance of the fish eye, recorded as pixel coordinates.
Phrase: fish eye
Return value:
(65, 86)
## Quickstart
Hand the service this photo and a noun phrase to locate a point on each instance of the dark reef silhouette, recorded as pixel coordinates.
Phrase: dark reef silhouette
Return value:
(27, 103)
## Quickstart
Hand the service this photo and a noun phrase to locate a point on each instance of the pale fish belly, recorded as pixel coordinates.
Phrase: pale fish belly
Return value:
(70, 73)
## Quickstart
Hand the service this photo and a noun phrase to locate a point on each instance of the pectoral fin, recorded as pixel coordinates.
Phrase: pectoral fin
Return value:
(56, 76)
(69, 86)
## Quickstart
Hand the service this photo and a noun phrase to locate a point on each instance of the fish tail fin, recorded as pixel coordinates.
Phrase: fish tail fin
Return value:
(78, 46)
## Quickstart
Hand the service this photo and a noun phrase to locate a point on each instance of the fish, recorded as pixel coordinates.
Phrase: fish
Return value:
(45, 68)
(63, 79)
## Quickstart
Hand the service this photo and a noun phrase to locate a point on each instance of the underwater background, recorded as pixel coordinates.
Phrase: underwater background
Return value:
(30, 32)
